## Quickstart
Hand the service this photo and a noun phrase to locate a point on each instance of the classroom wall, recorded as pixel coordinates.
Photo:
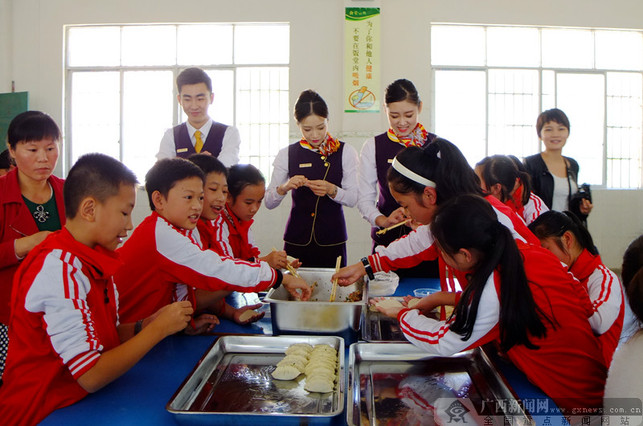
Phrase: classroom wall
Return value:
(31, 53)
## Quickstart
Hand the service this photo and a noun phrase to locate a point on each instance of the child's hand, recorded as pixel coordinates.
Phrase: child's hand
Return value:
(276, 259)
(239, 312)
(297, 287)
(294, 182)
(349, 274)
(398, 215)
(202, 324)
(173, 317)
(321, 188)
(295, 263)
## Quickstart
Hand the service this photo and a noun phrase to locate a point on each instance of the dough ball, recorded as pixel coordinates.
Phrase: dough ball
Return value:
(285, 372)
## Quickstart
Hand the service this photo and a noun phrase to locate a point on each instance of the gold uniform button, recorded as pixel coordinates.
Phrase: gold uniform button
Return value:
(312, 215)
(326, 164)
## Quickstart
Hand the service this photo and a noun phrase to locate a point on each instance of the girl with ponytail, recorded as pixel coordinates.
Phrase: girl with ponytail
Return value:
(376, 204)
(516, 295)
(563, 234)
(421, 179)
(506, 178)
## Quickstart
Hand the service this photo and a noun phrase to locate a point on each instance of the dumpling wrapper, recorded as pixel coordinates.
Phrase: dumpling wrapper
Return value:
(246, 315)
(285, 372)
(389, 303)
(411, 303)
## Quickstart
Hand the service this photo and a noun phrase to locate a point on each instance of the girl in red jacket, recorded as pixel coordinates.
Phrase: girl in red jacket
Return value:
(565, 236)
(517, 295)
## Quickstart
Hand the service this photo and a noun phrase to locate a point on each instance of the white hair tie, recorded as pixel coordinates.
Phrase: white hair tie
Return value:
(411, 174)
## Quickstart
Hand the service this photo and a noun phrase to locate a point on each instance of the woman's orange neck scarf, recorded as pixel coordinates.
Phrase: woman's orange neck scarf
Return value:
(416, 138)
(329, 146)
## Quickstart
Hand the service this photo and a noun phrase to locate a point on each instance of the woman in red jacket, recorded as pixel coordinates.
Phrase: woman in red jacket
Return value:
(31, 201)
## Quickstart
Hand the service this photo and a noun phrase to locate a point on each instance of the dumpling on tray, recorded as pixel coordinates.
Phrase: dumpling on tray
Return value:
(285, 372)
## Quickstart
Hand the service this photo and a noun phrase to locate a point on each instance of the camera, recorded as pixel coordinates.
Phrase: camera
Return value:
(584, 192)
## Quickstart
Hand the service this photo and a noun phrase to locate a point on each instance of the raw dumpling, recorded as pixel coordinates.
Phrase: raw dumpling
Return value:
(319, 384)
(246, 315)
(285, 372)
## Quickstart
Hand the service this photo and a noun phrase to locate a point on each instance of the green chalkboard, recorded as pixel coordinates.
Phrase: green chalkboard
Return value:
(11, 104)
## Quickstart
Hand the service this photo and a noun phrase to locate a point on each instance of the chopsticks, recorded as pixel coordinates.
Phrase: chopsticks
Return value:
(333, 292)
(385, 230)
(292, 270)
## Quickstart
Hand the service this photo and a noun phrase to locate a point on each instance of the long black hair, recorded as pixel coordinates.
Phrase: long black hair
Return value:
(469, 222)
(441, 162)
(555, 224)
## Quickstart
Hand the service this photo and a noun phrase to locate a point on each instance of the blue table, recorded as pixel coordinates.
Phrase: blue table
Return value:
(139, 396)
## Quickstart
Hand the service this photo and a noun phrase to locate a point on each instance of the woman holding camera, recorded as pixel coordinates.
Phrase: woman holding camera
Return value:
(554, 177)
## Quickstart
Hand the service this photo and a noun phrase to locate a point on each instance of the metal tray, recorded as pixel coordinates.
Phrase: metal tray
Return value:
(400, 383)
(317, 316)
(233, 379)
(377, 327)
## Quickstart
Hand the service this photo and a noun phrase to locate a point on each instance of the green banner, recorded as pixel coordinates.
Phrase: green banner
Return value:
(362, 59)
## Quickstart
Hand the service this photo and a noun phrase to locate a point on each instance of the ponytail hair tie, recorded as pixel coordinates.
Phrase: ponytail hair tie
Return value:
(411, 174)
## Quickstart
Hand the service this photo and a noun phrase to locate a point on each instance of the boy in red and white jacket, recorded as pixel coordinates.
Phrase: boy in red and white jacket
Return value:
(164, 260)
(66, 338)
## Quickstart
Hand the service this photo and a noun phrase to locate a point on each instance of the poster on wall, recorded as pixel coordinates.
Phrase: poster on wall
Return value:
(362, 59)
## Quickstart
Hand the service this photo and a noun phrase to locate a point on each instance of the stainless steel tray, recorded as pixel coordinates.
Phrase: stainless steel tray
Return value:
(400, 383)
(319, 315)
(233, 379)
(377, 327)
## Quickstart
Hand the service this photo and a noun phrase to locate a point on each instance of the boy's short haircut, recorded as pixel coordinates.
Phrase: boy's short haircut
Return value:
(5, 159)
(32, 126)
(193, 75)
(242, 175)
(166, 173)
(209, 164)
(94, 175)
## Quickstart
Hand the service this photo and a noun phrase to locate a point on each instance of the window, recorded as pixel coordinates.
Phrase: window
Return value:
(120, 93)
(491, 82)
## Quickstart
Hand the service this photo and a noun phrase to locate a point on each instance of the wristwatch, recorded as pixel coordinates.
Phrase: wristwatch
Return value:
(368, 268)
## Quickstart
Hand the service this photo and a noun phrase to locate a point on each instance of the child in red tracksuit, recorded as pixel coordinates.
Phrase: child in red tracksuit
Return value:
(517, 295)
(246, 189)
(215, 194)
(164, 261)
(563, 234)
(66, 338)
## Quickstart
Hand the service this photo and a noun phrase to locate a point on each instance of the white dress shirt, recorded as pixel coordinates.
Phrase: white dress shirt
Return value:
(368, 188)
(229, 154)
(346, 194)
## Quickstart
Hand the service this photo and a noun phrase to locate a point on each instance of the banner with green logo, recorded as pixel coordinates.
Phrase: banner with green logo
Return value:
(362, 59)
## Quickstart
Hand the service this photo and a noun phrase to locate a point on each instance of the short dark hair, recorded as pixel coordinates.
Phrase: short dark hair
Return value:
(401, 90)
(209, 164)
(32, 126)
(193, 75)
(94, 175)
(553, 114)
(308, 103)
(242, 175)
(632, 260)
(166, 173)
(5, 159)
